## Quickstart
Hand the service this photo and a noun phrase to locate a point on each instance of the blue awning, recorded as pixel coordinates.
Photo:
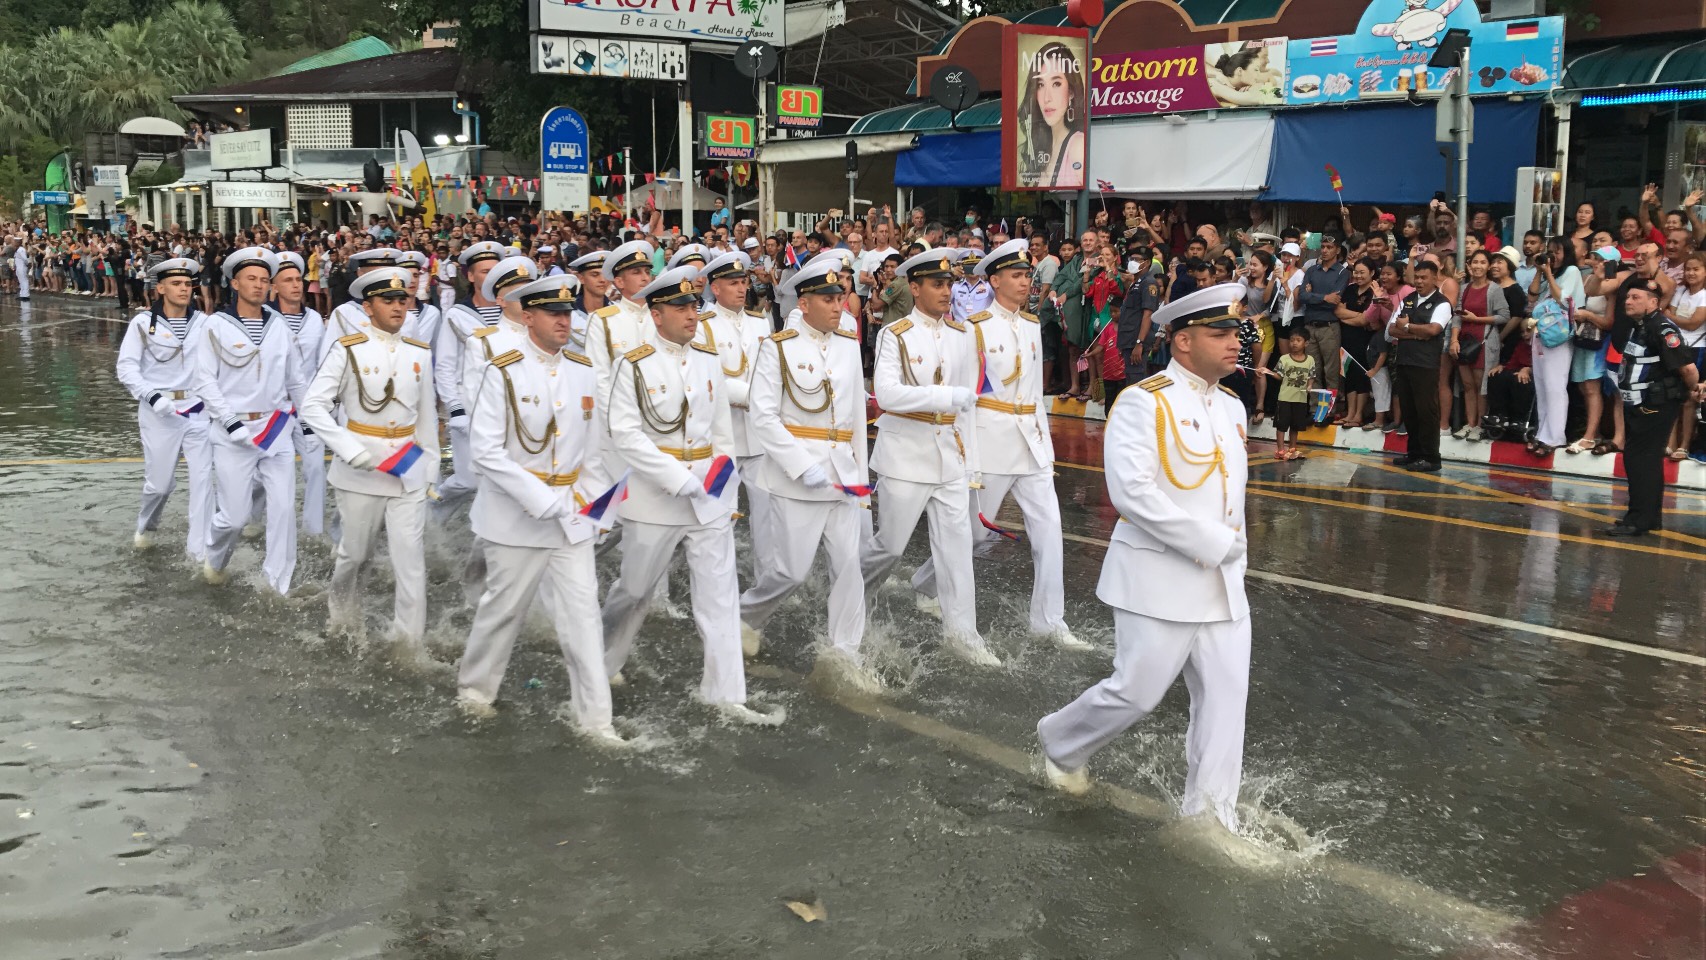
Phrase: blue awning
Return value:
(951, 160)
(1387, 154)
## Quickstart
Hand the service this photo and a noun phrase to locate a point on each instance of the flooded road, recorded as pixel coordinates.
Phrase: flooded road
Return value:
(195, 772)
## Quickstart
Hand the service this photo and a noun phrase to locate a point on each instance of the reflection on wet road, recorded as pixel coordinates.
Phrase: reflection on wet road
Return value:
(198, 773)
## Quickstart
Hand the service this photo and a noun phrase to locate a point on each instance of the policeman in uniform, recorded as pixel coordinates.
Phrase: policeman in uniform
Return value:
(458, 324)
(248, 373)
(372, 403)
(424, 315)
(348, 318)
(308, 331)
(1656, 376)
(594, 287)
(1015, 445)
(537, 447)
(808, 420)
(972, 294)
(669, 422)
(1174, 573)
(154, 364)
(926, 455)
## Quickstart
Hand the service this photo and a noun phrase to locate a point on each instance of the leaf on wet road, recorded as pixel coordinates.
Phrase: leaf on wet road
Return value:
(809, 912)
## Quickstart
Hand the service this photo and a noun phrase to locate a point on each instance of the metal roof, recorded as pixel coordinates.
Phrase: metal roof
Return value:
(399, 76)
(360, 48)
(1637, 63)
(926, 116)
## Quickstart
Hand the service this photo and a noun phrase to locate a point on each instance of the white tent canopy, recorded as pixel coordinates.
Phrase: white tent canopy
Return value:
(666, 195)
(152, 127)
(1223, 157)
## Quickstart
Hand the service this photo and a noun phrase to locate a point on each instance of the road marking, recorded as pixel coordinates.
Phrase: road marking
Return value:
(1456, 614)
(68, 461)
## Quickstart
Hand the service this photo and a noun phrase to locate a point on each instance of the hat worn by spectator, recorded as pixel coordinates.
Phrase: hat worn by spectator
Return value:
(729, 266)
(931, 265)
(412, 258)
(555, 294)
(1510, 254)
(672, 288)
(249, 257)
(391, 283)
(591, 261)
(750, 243)
(478, 252)
(690, 253)
(290, 260)
(377, 257)
(1292, 249)
(510, 272)
(815, 278)
(634, 253)
(1208, 307)
(175, 267)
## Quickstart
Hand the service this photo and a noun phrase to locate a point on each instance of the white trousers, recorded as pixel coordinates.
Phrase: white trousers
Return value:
(23, 274)
(760, 515)
(900, 503)
(163, 440)
(647, 549)
(566, 580)
(360, 515)
(446, 299)
(238, 466)
(780, 572)
(1380, 384)
(462, 481)
(312, 450)
(1552, 390)
(1034, 492)
(1148, 656)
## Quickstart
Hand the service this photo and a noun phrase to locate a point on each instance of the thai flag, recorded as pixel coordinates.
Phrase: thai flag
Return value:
(989, 524)
(789, 257)
(1104, 186)
(193, 410)
(984, 385)
(1527, 30)
(399, 463)
(717, 478)
(597, 510)
(1323, 46)
(276, 425)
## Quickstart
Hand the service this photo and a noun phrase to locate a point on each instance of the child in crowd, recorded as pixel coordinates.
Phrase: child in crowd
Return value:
(1107, 364)
(1297, 375)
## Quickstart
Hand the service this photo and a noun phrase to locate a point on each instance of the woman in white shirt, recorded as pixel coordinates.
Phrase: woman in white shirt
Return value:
(1688, 311)
(1556, 279)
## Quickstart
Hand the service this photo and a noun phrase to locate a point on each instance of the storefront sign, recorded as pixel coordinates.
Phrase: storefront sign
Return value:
(798, 108)
(1045, 108)
(723, 137)
(609, 57)
(242, 150)
(1388, 55)
(1214, 76)
(724, 21)
(244, 194)
(42, 198)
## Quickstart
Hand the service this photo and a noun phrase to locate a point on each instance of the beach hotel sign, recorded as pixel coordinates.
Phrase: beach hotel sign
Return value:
(724, 21)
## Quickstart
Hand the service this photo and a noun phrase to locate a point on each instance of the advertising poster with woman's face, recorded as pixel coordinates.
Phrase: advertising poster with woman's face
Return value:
(1047, 116)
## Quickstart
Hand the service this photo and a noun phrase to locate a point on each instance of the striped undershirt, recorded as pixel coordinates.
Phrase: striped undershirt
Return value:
(491, 314)
(180, 326)
(294, 320)
(255, 327)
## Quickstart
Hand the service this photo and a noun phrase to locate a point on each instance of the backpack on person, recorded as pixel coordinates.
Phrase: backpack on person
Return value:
(1551, 323)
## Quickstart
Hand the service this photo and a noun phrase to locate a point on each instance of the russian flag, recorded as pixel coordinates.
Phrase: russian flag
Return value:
(1002, 531)
(399, 463)
(718, 477)
(600, 508)
(856, 489)
(984, 385)
(192, 411)
(276, 425)
(1528, 30)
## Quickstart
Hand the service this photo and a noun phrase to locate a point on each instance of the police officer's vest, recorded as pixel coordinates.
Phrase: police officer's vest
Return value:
(1642, 379)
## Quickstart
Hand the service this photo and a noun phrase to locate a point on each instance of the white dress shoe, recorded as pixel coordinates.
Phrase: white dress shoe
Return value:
(929, 606)
(750, 641)
(212, 576)
(1066, 640)
(142, 541)
(741, 713)
(1075, 783)
(474, 706)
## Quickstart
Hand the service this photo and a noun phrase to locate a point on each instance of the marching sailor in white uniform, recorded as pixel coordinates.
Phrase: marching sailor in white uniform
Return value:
(842, 261)
(926, 453)
(458, 324)
(154, 364)
(348, 318)
(248, 373)
(594, 287)
(372, 403)
(669, 422)
(1015, 446)
(1174, 573)
(537, 446)
(734, 334)
(422, 321)
(807, 417)
(626, 323)
(308, 331)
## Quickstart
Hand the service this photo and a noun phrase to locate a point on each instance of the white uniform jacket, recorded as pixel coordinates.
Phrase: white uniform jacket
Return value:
(346, 318)
(460, 322)
(487, 344)
(797, 321)
(921, 436)
(1012, 423)
(537, 449)
(669, 419)
(152, 358)
(735, 336)
(310, 337)
(422, 322)
(1174, 451)
(611, 332)
(240, 380)
(788, 388)
(374, 393)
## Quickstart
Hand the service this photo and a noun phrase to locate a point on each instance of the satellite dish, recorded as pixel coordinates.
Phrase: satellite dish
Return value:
(755, 59)
(954, 88)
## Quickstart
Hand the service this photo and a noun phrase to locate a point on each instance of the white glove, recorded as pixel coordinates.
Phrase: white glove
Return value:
(815, 476)
(162, 405)
(964, 398)
(694, 487)
(1239, 551)
(362, 460)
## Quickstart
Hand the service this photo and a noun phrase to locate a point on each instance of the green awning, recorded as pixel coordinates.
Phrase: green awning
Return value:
(1643, 63)
(924, 117)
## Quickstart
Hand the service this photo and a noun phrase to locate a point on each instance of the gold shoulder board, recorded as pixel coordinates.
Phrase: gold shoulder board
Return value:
(639, 353)
(579, 358)
(411, 341)
(704, 349)
(1228, 390)
(846, 333)
(352, 339)
(899, 327)
(609, 311)
(954, 325)
(978, 317)
(782, 335)
(1156, 383)
(506, 358)
(708, 314)
(757, 313)
(1029, 316)
(485, 331)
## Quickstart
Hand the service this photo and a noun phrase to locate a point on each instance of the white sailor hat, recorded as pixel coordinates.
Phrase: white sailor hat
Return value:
(1208, 307)
(672, 287)
(389, 282)
(727, 266)
(547, 248)
(937, 264)
(1013, 253)
(841, 258)
(819, 277)
(412, 258)
(556, 294)
(288, 259)
(377, 257)
(1257, 238)
(634, 253)
(590, 261)
(249, 257)
(175, 267)
(476, 252)
(693, 253)
(510, 272)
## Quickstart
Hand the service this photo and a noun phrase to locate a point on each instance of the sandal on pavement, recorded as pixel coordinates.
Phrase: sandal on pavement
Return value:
(1580, 446)
(1604, 447)
(1258, 416)
(1679, 455)
(1351, 424)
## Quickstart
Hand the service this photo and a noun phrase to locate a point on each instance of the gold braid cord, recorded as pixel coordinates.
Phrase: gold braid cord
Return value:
(368, 404)
(653, 419)
(711, 341)
(529, 442)
(152, 349)
(794, 391)
(1210, 463)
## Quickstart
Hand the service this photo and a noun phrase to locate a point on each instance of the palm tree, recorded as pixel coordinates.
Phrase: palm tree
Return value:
(205, 45)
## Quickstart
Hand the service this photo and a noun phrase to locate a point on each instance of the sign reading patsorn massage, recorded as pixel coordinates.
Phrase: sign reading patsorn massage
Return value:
(1214, 76)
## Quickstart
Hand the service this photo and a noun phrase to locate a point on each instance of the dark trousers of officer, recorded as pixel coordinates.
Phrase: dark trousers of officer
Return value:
(1417, 391)
(1646, 430)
